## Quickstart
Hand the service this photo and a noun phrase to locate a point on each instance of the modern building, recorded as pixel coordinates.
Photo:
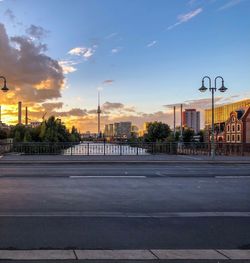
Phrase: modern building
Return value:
(222, 113)
(118, 130)
(221, 116)
(191, 119)
(237, 127)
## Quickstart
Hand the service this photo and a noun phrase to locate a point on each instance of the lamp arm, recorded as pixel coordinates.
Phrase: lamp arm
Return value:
(209, 79)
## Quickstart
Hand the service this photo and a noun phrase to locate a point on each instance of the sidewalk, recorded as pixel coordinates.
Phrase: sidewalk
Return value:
(130, 159)
(145, 255)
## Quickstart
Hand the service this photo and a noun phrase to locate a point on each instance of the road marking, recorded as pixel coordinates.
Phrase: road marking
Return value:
(107, 176)
(128, 215)
(135, 254)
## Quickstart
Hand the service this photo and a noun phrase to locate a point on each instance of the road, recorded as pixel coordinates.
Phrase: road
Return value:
(117, 206)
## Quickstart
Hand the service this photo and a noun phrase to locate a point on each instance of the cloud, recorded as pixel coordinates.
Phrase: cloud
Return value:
(111, 35)
(82, 51)
(37, 32)
(112, 105)
(183, 18)
(9, 13)
(196, 104)
(75, 112)
(151, 44)
(116, 50)
(50, 106)
(68, 66)
(32, 76)
(108, 81)
(230, 4)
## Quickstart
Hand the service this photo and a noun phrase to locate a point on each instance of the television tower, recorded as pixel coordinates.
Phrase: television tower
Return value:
(99, 115)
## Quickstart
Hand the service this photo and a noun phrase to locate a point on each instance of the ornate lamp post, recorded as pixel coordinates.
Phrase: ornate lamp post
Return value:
(4, 88)
(212, 90)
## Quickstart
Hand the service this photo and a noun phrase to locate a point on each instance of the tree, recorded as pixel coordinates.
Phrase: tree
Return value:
(3, 134)
(188, 135)
(157, 131)
(27, 136)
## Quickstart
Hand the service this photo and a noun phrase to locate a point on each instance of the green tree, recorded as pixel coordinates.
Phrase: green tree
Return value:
(27, 136)
(3, 134)
(188, 135)
(157, 131)
(17, 136)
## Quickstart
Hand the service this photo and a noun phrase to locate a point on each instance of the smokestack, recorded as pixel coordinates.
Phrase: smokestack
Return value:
(99, 115)
(181, 122)
(26, 116)
(174, 121)
(19, 112)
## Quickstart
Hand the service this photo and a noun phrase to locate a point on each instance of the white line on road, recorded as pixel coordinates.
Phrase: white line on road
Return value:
(134, 254)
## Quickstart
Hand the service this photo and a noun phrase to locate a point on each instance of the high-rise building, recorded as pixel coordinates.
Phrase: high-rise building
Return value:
(191, 119)
(118, 130)
(125, 129)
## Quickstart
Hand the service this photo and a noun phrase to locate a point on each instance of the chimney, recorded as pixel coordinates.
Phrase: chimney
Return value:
(19, 112)
(174, 122)
(26, 116)
(181, 121)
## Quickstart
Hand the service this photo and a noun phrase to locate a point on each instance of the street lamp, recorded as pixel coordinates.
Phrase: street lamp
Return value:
(4, 88)
(203, 88)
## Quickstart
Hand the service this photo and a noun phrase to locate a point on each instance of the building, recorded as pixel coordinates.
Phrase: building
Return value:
(35, 124)
(237, 127)
(191, 119)
(221, 116)
(125, 129)
(118, 130)
(222, 113)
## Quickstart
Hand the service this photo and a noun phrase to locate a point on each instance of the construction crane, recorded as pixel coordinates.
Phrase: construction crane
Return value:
(44, 116)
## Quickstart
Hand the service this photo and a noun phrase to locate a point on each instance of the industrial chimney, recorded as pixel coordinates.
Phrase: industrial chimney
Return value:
(19, 112)
(26, 116)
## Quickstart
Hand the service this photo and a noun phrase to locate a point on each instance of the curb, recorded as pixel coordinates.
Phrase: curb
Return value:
(230, 162)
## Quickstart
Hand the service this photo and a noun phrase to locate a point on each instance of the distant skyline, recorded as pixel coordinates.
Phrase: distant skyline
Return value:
(143, 55)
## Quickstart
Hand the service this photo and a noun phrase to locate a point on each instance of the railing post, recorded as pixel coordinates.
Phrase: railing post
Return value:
(120, 149)
(137, 150)
(104, 152)
(88, 149)
(71, 149)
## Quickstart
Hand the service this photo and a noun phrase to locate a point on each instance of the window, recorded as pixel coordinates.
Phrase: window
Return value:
(233, 138)
(238, 127)
(233, 119)
(238, 138)
(228, 128)
(228, 138)
(233, 127)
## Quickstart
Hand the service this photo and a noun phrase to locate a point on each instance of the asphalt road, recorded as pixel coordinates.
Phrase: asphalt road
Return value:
(125, 206)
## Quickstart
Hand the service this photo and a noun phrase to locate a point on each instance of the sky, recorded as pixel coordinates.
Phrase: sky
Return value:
(142, 55)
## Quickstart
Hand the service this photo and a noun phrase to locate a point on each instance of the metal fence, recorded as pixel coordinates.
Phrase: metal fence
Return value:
(103, 148)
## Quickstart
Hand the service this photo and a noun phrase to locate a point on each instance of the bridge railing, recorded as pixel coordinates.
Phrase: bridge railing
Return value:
(136, 148)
